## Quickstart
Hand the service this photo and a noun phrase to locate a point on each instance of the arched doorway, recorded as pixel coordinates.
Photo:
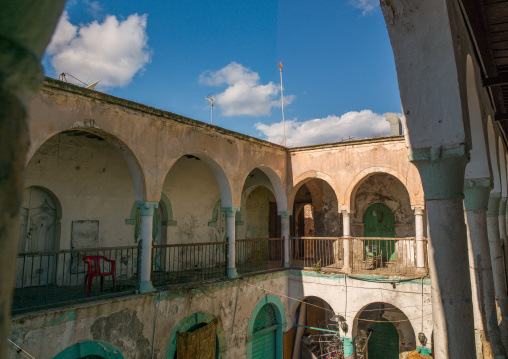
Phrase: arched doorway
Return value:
(383, 331)
(267, 322)
(380, 222)
(384, 341)
(39, 232)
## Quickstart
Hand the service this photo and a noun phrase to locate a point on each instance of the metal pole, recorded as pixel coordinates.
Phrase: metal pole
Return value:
(282, 101)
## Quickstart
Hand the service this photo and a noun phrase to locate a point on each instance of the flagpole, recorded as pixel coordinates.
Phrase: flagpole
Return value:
(282, 101)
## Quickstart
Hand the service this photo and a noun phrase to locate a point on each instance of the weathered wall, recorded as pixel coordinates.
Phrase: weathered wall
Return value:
(91, 181)
(256, 214)
(344, 165)
(386, 189)
(128, 323)
(193, 192)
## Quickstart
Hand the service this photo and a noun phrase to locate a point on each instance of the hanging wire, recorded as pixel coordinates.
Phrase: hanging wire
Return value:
(358, 319)
(20, 350)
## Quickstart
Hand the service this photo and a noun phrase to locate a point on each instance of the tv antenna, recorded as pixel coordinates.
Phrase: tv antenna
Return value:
(62, 77)
(210, 98)
(282, 101)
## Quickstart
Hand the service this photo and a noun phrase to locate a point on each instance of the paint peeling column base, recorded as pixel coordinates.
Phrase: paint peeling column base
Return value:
(284, 225)
(231, 235)
(145, 281)
(442, 172)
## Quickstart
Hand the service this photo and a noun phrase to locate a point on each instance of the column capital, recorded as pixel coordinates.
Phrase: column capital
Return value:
(230, 211)
(494, 199)
(441, 170)
(418, 210)
(476, 193)
(285, 214)
(147, 207)
(345, 212)
(502, 206)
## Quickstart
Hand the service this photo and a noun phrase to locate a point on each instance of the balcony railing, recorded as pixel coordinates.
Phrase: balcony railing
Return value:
(51, 278)
(259, 255)
(188, 263)
(317, 252)
(45, 279)
(367, 255)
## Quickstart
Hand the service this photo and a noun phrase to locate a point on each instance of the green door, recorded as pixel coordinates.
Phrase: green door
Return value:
(264, 341)
(380, 222)
(384, 341)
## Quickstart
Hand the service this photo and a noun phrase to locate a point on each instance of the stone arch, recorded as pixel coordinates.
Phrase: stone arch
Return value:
(373, 312)
(90, 347)
(308, 176)
(281, 322)
(58, 212)
(218, 172)
(278, 190)
(138, 176)
(368, 172)
(192, 320)
(478, 166)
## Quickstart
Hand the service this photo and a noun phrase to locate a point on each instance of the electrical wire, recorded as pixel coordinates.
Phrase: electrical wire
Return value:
(20, 350)
(331, 310)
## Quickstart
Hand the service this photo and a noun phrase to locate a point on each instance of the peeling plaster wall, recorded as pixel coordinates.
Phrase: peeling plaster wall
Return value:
(91, 181)
(193, 192)
(332, 220)
(128, 323)
(256, 214)
(386, 189)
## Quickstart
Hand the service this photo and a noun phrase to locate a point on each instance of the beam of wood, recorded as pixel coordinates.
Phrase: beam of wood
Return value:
(500, 79)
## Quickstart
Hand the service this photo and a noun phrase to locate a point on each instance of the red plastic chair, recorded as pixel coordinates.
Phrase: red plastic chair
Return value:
(94, 270)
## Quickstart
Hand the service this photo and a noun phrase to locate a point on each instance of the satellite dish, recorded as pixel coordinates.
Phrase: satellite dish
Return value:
(92, 86)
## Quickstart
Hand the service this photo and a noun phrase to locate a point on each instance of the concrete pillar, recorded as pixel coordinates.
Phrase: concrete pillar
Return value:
(346, 233)
(395, 124)
(420, 246)
(487, 332)
(496, 255)
(145, 235)
(284, 226)
(231, 235)
(25, 31)
(442, 173)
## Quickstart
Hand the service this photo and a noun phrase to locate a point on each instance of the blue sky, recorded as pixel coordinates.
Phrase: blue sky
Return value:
(339, 75)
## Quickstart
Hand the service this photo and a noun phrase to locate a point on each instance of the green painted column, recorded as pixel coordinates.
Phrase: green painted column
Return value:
(26, 27)
(346, 234)
(284, 224)
(231, 235)
(476, 200)
(147, 210)
(349, 348)
(442, 173)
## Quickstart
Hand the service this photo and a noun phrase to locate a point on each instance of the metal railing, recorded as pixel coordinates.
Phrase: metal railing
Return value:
(49, 278)
(384, 255)
(188, 263)
(369, 255)
(259, 255)
(317, 253)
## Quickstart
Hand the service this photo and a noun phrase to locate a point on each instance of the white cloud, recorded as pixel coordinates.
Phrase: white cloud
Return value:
(112, 52)
(363, 124)
(365, 5)
(244, 95)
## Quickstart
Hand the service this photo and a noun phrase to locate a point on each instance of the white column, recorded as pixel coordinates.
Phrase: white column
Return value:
(498, 269)
(502, 232)
(442, 173)
(145, 267)
(231, 235)
(284, 229)
(476, 201)
(420, 246)
(346, 233)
